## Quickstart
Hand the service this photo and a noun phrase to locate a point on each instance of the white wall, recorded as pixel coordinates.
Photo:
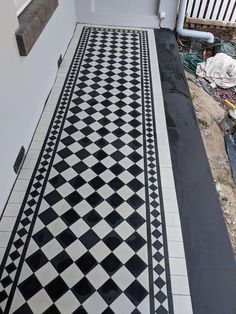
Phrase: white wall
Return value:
(170, 7)
(25, 82)
(136, 13)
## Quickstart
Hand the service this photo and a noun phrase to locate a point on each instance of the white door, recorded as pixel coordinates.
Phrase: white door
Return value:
(139, 13)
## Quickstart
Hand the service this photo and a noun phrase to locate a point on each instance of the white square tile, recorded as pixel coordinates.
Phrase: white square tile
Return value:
(176, 249)
(21, 185)
(100, 251)
(76, 250)
(72, 275)
(12, 210)
(172, 219)
(174, 234)
(95, 304)
(180, 285)
(97, 276)
(122, 305)
(46, 274)
(123, 278)
(40, 302)
(178, 266)
(4, 238)
(68, 303)
(7, 223)
(182, 304)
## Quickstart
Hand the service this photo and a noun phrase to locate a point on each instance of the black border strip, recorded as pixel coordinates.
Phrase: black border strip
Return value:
(164, 235)
(148, 222)
(19, 268)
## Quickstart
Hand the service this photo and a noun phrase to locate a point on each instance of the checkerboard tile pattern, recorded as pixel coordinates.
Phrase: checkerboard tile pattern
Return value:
(89, 235)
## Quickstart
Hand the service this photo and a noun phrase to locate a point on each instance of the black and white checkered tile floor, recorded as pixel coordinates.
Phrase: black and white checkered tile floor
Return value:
(90, 235)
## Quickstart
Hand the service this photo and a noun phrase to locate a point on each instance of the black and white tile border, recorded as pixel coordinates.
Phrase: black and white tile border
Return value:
(167, 199)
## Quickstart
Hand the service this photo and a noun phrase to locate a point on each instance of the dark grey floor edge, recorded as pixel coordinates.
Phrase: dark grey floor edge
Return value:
(210, 261)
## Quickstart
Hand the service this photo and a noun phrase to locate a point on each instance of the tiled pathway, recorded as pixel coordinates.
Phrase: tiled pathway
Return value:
(93, 220)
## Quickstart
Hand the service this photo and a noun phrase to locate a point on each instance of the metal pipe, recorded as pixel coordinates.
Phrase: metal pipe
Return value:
(209, 37)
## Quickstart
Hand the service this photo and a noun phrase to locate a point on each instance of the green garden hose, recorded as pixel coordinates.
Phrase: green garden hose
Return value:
(191, 60)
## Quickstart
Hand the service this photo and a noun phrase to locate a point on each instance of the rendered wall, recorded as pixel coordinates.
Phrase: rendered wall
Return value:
(136, 13)
(25, 82)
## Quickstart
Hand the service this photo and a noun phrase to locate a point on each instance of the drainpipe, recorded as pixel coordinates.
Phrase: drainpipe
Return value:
(209, 37)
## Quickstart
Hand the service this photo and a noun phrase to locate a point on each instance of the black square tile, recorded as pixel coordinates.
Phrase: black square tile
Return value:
(3, 296)
(135, 170)
(109, 291)
(94, 199)
(136, 293)
(82, 154)
(108, 311)
(135, 220)
(135, 265)
(135, 144)
(83, 290)
(89, 239)
(134, 133)
(42, 237)
(24, 309)
(87, 130)
(85, 141)
(10, 267)
(135, 201)
(80, 310)
(36, 260)
(118, 143)
(162, 310)
(117, 169)
(80, 167)
(111, 264)
(53, 197)
(112, 240)
(14, 255)
(114, 219)
(52, 310)
(116, 184)
(135, 157)
(57, 181)
(100, 155)
(117, 156)
(48, 216)
(56, 288)
(115, 200)
(135, 241)
(70, 217)
(29, 287)
(86, 263)
(61, 261)
(6, 281)
(92, 218)
(70, 129)
(64, 153)
(101, 143)
(97, 183)
(67, 141)
(159, 282)
(98, 168)
(77, 182)
(66, 238)
(61, 166)
(18, 243)
(160, 296)
(74, 198)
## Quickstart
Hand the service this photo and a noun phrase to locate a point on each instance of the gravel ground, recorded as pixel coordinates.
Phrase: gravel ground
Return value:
(209, 114)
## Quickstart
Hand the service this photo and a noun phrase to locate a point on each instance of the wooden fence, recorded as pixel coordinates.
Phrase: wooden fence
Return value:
(213, 12)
